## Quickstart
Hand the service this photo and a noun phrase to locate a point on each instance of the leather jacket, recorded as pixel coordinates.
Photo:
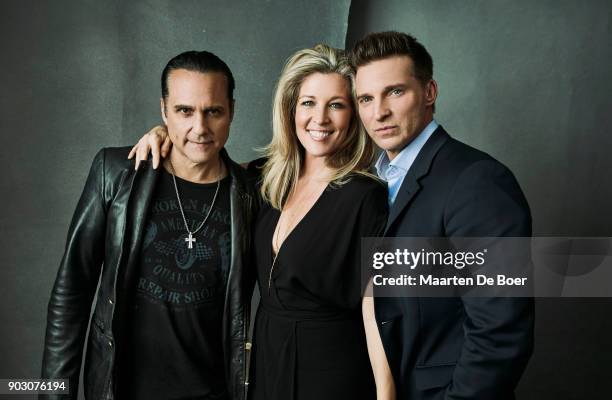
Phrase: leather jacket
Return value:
(103, 242)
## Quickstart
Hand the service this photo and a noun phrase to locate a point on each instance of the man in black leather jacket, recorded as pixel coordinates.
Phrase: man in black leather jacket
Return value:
(172, 308)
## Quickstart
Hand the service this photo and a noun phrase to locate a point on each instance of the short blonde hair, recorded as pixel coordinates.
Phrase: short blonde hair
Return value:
(285, 153)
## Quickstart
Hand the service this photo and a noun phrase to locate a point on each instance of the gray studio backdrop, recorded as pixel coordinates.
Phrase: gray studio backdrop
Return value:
(525, 81)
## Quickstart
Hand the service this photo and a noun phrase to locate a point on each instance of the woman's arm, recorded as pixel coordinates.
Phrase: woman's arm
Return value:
(155, 141)
(385, 388)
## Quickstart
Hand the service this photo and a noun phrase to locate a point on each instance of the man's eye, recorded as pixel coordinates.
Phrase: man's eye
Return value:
(365, 99)
(214, 112)
(185, 111)
(396, 92)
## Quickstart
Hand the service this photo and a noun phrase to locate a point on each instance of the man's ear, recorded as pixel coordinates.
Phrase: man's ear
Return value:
(162, 105)
(431, 92)
(232, 104)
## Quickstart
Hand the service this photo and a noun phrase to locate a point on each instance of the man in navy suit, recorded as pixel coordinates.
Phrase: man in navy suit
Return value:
(440, 348)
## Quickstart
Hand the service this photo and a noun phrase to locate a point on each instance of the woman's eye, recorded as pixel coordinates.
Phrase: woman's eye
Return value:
(337, 106)
(308, 103)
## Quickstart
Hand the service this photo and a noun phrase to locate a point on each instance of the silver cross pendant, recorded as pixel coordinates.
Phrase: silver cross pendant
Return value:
(191, 240)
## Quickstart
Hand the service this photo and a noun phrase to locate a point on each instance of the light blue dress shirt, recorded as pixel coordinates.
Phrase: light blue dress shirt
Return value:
(395, 171)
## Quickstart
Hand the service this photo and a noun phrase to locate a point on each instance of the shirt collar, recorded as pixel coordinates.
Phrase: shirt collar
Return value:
(404, 160)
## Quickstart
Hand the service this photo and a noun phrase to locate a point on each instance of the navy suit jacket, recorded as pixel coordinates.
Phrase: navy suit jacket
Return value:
(462, 347)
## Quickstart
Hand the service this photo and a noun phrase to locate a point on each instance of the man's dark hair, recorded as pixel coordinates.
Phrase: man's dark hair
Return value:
(380, 45)
(198, 61)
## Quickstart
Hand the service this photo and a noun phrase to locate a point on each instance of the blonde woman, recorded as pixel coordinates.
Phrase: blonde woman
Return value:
(318, 202)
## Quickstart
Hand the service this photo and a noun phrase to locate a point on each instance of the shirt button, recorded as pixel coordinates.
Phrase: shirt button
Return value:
(111, 302)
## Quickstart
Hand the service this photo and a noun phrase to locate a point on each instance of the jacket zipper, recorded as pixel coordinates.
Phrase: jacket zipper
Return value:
(247, 353)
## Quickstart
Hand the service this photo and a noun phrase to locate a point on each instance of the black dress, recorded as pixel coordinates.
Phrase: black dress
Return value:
(309, 340)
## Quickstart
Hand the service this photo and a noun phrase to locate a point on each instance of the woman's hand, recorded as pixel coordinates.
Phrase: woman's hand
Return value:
(385, 387)
(157, 141)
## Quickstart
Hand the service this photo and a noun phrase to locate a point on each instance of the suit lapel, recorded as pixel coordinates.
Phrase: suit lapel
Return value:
(411, 186)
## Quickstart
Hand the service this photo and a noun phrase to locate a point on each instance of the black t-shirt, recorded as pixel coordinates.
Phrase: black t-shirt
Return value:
(174, 348)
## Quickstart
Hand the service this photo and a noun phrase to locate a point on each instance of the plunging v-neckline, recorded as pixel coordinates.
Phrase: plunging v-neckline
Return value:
(295, 227)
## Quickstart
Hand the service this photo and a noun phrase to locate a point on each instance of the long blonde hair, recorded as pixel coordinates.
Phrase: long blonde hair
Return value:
(285, 153)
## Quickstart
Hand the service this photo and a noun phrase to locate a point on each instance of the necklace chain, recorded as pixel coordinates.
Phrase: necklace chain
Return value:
(190, 239)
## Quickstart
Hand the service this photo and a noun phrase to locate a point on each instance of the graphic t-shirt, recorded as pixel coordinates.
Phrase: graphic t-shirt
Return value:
(174, 348)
